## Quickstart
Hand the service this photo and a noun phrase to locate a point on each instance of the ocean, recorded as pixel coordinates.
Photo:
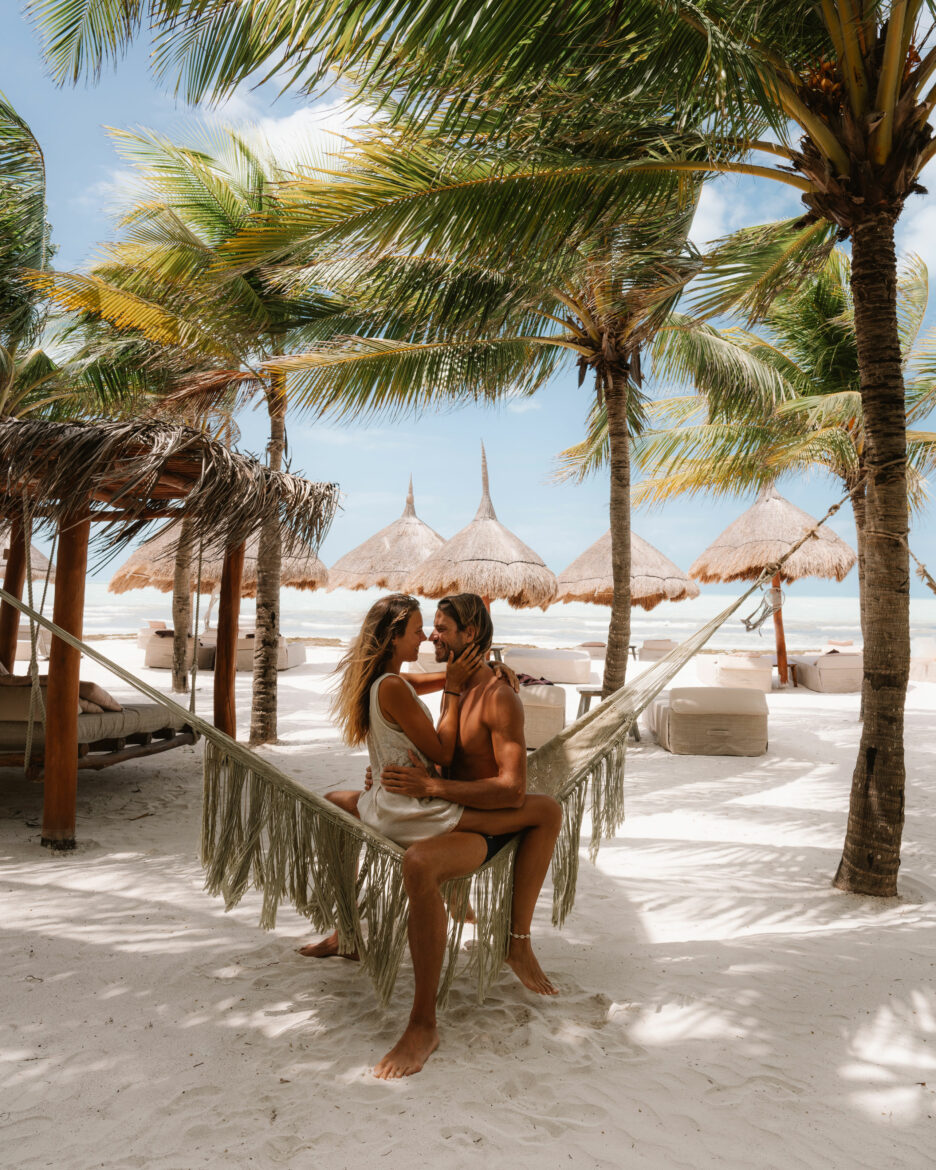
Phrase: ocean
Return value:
(809, 621)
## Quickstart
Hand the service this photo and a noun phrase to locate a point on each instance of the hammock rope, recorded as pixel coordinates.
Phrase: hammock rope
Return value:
(261, 828)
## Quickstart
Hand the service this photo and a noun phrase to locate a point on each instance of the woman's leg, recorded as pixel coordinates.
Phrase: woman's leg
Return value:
(327, 948)
(539, 818)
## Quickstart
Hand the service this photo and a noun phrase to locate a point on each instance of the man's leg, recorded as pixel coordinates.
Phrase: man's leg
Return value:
(540, 818)
(426, 866)
(327, 948)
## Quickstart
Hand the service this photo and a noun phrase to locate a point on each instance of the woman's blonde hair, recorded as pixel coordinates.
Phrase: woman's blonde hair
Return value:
(366, 661)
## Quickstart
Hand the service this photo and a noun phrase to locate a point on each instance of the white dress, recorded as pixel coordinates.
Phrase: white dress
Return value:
(403, 819)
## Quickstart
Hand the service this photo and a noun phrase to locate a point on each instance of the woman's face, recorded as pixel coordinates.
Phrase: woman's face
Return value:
(407, 644)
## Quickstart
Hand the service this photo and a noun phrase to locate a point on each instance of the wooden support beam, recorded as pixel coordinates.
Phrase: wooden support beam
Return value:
(225, 670)
(782, 667)
(61, 731)
(14, 578)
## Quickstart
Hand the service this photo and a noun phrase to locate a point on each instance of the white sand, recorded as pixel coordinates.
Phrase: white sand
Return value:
(721, 1005)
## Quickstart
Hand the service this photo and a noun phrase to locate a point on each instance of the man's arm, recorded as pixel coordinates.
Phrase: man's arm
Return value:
(503, 717)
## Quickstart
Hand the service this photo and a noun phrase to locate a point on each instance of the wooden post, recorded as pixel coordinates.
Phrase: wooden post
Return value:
(61, 729)
(782, 668)
(225, 671)
(14, 578)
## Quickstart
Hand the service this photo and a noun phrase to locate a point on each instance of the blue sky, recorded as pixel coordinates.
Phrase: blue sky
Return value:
(372, 462)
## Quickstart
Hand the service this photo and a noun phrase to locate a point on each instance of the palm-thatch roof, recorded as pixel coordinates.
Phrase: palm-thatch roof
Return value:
(153, 566)
(762, 534)
(654, 577)
(487, 559)
(37, 561)
(388, 558)
(128, 474)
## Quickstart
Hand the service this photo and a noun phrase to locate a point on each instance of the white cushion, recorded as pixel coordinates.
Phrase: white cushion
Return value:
(543, 713)
(710, 721)
(653, 649)
(559, 666)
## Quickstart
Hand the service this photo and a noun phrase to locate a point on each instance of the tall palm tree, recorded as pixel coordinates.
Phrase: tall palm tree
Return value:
(799, 410)
(167, 282)
(845, 86)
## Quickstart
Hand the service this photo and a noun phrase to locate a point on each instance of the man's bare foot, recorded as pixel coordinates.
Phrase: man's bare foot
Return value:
(326, 949)
(522, 962)
(409, 1053)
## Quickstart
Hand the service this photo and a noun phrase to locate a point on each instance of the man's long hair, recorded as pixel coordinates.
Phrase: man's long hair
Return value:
(366, 661)
(468, 609)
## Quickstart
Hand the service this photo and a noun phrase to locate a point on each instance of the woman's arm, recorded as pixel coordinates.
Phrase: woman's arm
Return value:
(398, 705)
(426, 684)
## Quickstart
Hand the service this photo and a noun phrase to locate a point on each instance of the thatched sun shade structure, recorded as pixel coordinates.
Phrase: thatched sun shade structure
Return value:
(152, 566)
(487, 559)
(758, 538)
(388, 558)
(64, 476)
(654, 577)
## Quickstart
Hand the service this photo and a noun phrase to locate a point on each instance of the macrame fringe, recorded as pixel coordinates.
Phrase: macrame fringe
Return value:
(342, 879)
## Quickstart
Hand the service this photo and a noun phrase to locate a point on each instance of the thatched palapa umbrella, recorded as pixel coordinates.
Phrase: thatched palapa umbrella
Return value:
(654, 577)
(388, 558)
(759, 538)
(487, 559)
(152, 566)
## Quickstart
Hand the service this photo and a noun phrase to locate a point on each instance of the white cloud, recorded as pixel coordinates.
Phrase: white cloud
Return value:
(523, 405)
(310, 134)
(120, 187)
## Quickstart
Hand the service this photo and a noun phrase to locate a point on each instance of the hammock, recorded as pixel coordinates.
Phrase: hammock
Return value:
(261, 828)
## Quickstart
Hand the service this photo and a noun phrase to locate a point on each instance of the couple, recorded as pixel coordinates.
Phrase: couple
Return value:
(449, 826)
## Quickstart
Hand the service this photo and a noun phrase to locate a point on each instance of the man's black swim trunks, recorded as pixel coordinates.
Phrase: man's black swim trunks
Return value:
(496, 842)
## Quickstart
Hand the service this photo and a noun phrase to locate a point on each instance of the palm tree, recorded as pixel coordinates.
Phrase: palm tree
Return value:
(167, 283)
(845, 86)
(798, 409)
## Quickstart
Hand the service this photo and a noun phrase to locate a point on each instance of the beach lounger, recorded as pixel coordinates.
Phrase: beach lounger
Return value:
(105, 738)
(831, 673)
(543, 713)
(24, 644)
(710, 721)
(736, 670)
(923, 660)
(559, 666)
(158, 655)
(290, 653)
(653, 649)
(144, 633)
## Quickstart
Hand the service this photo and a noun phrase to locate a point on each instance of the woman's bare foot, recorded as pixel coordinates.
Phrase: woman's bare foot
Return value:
(522, 962)
(409, 1053)
(327, 949)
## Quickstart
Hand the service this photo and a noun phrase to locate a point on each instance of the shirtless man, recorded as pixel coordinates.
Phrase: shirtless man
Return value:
(490, 761)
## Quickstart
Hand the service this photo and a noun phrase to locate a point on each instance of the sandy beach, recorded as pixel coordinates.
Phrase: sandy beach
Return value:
(721, 1005)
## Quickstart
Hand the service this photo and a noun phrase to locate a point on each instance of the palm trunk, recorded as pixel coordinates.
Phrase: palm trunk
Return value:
(871, 854)
(857, 494)
(269, 560)
(619, 450)
(182, 609)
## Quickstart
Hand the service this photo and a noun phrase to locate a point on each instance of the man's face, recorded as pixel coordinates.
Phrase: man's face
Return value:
(446, 636)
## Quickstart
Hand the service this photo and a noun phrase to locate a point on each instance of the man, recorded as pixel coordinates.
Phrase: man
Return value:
(490, 766)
